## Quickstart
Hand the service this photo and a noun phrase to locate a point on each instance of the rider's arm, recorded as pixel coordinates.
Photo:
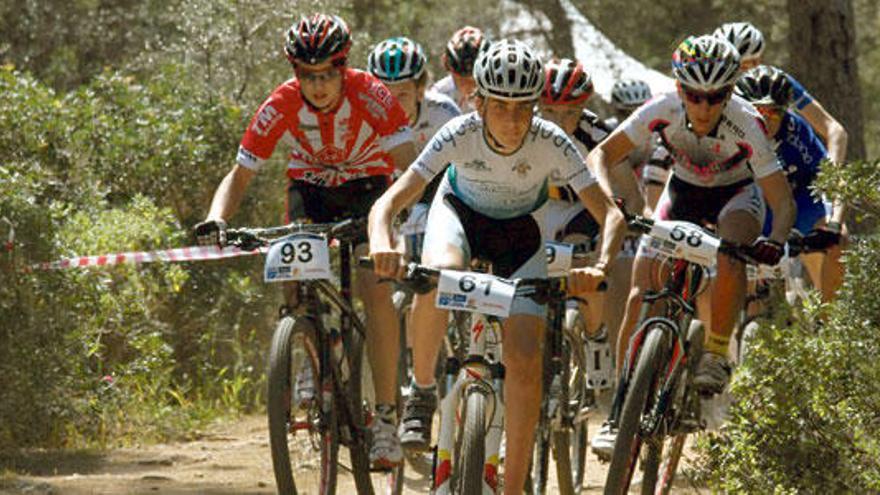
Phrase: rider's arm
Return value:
(229, 193)
(835, 137)
(625, 185)
(404, 192)
(605, 212)
(778, 193)
(607, 154)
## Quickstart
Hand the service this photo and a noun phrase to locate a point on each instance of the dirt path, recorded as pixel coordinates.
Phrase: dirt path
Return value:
(231, 458)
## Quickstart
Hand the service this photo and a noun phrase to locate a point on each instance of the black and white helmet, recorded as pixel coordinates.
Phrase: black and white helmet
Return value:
(630, 93)
(747, 39)
(397, 59)
(509, 70)
(765, 85)
(705, 63)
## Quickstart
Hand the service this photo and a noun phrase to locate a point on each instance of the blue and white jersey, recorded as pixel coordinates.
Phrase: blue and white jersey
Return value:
(502, 186)
(799, 150)
(435, 111)
(800, 98)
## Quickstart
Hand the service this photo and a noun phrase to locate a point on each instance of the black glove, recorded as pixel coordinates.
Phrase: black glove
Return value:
(766, 251)
(211, 233)
(823, 237)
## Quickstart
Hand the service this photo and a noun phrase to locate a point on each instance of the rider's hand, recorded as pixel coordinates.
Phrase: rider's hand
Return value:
(211, 233)
(766, 251)
(823, 237)
(587, 279)
(387, 264)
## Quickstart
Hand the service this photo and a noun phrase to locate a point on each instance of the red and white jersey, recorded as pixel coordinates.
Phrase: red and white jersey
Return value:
(327, 149)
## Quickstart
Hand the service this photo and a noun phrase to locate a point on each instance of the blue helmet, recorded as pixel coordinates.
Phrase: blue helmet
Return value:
(397, 59)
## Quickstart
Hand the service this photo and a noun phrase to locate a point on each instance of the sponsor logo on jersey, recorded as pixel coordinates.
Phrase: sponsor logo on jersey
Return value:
(521, 169)
(382, 94)
(266, 120)
(478, 165)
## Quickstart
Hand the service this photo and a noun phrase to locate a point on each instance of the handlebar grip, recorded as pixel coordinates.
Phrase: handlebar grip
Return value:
(365, 262)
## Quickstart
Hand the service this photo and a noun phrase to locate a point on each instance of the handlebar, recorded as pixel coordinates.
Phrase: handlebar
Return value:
(253, 238)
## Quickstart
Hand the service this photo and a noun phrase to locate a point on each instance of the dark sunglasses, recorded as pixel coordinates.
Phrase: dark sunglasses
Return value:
(697, 97)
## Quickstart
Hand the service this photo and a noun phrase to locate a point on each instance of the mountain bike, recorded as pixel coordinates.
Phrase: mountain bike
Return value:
(323, 336)
(662, 357)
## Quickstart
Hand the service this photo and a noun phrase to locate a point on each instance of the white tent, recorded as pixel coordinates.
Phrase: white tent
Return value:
(603, 59)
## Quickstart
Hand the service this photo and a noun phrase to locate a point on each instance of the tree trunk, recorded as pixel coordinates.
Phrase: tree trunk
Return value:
(559, 37)
(822, 41)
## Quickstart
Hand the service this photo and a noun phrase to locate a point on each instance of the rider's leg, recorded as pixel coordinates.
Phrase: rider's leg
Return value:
(728, 288)
(825, 269)
(619, 284)
(523, 336)
(383, 339)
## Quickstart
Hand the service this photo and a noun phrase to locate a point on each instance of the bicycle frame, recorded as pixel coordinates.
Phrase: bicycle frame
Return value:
(679, 295)
(481, 368)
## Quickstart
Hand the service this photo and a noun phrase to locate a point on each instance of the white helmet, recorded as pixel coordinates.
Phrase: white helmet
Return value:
(744, 36)
(509, 70)
(705, 63)
(630, 93)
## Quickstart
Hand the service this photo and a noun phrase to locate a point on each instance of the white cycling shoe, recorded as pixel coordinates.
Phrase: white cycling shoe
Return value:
(603, 443)
(385, 450)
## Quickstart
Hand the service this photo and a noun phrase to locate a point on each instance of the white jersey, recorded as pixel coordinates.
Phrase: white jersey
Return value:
(436, 110)
(447, 87)
(502, 186)
(590, 131)
(737, 149)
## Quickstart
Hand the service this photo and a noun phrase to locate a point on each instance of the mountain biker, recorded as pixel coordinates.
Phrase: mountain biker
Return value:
(401, 64)
(489, 206)
(346, 134)
(563, 101)
(801, 152)
(750, 43)
(462, 50)
(650, 160)
(722, 155)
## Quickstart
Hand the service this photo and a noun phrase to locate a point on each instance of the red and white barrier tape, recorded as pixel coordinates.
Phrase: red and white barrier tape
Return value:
(190, 253)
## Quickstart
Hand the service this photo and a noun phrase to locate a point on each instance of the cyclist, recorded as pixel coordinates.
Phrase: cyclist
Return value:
(722, 156)
(801, 152)
(750, 43)
(462, 50)
(347, 133)
(490, 206)
(650, 161)
(401, 64)
(567, 89)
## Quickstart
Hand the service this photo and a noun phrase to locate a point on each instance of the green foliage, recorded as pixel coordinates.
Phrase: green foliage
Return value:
(805, 419)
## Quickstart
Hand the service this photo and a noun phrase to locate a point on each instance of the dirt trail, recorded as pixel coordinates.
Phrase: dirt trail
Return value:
(231, 458)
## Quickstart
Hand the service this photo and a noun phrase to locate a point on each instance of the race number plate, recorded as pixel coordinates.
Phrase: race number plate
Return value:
(684, 240)
(475, 292)
(299, 256)
(559, 255)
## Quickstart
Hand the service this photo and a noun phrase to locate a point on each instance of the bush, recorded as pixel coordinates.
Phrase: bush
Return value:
(807, 414)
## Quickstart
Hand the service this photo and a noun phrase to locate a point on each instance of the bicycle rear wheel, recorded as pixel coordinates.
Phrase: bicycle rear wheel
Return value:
(293, 351)
(638, 401)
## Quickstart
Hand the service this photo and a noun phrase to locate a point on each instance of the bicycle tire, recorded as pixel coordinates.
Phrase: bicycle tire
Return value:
(577, 390)
(638, 399)
(651, 465)
(290, 334)
(541, 456)
(471, 464)
(669, 466)
(560, 439)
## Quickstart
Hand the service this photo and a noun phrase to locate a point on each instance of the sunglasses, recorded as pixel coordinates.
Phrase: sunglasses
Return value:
(697, 97)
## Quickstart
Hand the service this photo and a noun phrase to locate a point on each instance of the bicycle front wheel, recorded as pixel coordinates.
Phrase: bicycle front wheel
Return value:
(294, 351)
(471, 463)
(638, 401)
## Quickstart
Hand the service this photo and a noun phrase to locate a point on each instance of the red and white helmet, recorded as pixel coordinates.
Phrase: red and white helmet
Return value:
(317, 39)
(566, 83)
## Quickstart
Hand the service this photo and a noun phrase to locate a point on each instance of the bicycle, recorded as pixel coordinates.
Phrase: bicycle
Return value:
(323, 336)
(567, 398)
(661, 360)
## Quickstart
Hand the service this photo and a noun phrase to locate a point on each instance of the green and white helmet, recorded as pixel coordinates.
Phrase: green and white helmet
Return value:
(397, 59)
(509, 70)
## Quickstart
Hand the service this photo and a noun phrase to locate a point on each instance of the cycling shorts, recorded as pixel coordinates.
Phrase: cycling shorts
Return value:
(514, 246)
(351, 199)
(705, 205)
